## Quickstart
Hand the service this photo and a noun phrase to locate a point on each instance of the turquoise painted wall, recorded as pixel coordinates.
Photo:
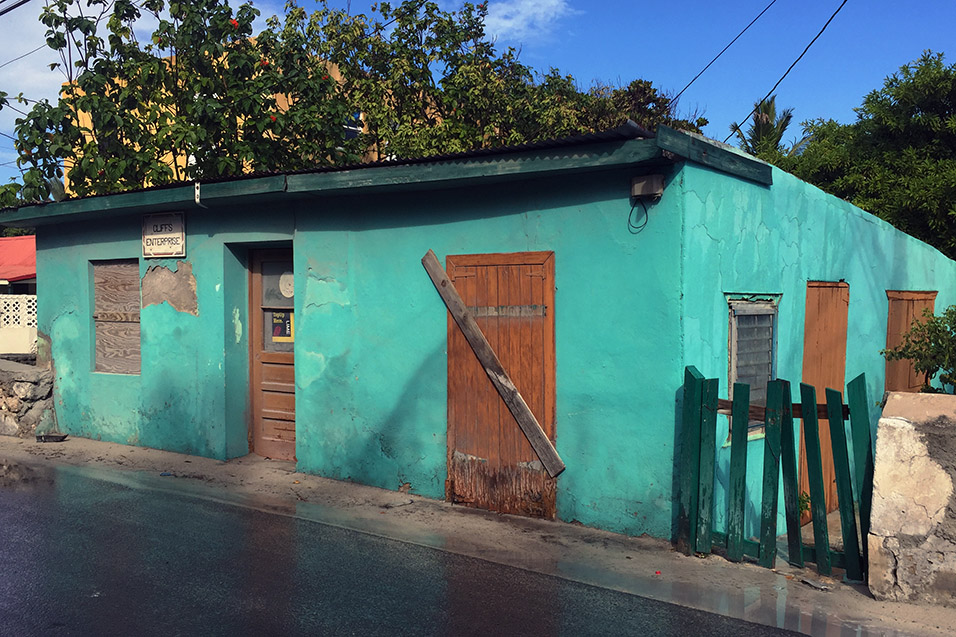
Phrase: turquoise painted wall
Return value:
(371, 366)
(371, 337)
(741, 237)
(179, 401)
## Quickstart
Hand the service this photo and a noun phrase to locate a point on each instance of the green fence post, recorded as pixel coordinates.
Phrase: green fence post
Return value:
(791, 488)
(841, 464)
(863, 458)
(690, 462)
(739, 424)
(708, 449)
(771, 473)
(818, 505)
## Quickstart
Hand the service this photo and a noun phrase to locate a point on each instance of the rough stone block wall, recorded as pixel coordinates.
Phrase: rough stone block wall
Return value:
(26, 398)
(912, 541)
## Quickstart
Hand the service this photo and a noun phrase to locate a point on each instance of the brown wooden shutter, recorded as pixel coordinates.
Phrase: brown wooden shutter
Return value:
(904, 308)
(116, 305)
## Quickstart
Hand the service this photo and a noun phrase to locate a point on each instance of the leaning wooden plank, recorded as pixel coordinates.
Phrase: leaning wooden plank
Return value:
(690, 462)
(496, 372)
(708, 452)
(771, 474)
(863, 459)
(738, 473)
(791, 489)
(859, 428)
(818, 505)
(841, 465)
(866, 507)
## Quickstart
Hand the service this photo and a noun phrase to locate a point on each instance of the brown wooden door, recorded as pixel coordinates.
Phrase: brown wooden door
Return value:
(271, 341)
(904, 308)
(491, 465)
(824, 365)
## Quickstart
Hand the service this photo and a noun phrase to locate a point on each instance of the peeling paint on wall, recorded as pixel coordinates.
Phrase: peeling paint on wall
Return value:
(237, 324)
(178, 288)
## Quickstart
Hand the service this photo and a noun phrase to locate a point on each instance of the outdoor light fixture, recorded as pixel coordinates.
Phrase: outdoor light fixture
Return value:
(647, 187)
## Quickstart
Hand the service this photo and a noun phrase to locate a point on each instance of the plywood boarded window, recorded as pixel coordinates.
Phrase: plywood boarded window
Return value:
(753, 346)
(116, 304)
(904, 308)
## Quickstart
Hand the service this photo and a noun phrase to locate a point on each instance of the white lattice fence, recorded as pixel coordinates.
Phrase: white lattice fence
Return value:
(18, 323)
(18, 310)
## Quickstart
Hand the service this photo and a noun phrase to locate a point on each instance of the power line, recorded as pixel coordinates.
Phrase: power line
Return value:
(9, 9)
(770, 92)
(42, 46)
(676, 97)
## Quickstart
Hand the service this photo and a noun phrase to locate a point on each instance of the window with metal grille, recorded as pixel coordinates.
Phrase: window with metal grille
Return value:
(753, 346)
(116, 305)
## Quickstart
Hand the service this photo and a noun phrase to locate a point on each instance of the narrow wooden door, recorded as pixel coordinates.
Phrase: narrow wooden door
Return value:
(824, 365)
(904, 308)
(491, 465)
(271, 341)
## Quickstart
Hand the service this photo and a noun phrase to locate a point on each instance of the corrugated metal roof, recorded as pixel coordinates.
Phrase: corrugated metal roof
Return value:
(626, 131)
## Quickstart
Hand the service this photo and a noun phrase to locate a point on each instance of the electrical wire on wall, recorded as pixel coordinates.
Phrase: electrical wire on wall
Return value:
(633, 226)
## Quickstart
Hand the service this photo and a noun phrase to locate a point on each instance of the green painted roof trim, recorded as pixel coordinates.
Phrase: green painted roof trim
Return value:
(710, 153)
(494, 167)
(572, 158)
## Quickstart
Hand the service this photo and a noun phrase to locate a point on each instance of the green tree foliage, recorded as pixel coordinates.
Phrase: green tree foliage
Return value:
(202, 90)
(764, 137)
(931, 346)
(898, 160)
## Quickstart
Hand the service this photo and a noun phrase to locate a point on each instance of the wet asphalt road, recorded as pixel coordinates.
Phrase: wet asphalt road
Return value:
(84, 556)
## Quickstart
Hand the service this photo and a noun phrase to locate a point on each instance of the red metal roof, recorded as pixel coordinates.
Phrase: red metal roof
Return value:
(18, 258)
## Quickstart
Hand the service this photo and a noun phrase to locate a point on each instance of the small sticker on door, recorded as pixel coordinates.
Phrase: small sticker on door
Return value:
(283, 327)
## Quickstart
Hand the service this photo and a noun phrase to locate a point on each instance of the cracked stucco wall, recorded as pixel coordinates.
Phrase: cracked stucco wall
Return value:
(741, 237)
(372, 384)
(912, 541)
(191, 393)
(370, 351)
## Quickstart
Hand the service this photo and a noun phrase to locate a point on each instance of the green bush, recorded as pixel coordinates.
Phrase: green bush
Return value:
(930, 344)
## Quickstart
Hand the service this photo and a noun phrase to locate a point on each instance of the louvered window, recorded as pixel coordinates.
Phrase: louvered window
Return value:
(753, 332)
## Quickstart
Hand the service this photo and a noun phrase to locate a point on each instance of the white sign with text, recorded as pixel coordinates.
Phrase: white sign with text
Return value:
(164, 235)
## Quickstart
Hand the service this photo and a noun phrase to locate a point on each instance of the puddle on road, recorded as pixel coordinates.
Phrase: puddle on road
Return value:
(768, 606)
(20, 476)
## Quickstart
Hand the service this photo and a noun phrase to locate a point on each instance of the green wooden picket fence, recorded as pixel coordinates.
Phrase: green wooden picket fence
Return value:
(698, 447)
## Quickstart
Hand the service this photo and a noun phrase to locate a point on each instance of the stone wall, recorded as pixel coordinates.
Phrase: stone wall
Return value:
(912, 541)
(26, 398)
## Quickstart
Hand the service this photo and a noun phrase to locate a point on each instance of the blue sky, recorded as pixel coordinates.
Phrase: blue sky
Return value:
(666, 43)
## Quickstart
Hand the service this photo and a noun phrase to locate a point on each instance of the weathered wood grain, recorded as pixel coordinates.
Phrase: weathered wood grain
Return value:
(116, 303)
(492, 366)
(117, 347)
(738, 474)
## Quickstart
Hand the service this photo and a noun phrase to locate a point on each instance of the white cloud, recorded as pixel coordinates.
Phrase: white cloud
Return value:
(524, 20)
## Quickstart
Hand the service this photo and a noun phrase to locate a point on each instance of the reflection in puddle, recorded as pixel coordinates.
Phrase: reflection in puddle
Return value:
(19, 476)
(767, 606)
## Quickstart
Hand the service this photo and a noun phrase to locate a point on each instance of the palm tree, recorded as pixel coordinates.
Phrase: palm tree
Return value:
(764, 138)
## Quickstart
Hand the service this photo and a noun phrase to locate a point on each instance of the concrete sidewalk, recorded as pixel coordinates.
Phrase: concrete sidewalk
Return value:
(641, 566)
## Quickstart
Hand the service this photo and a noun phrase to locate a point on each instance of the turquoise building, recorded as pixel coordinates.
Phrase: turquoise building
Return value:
(289, 315)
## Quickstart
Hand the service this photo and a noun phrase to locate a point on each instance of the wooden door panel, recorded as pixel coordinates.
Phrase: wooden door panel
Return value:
(824, 366)
(903, 308)
(272, 431)
(491, 464)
